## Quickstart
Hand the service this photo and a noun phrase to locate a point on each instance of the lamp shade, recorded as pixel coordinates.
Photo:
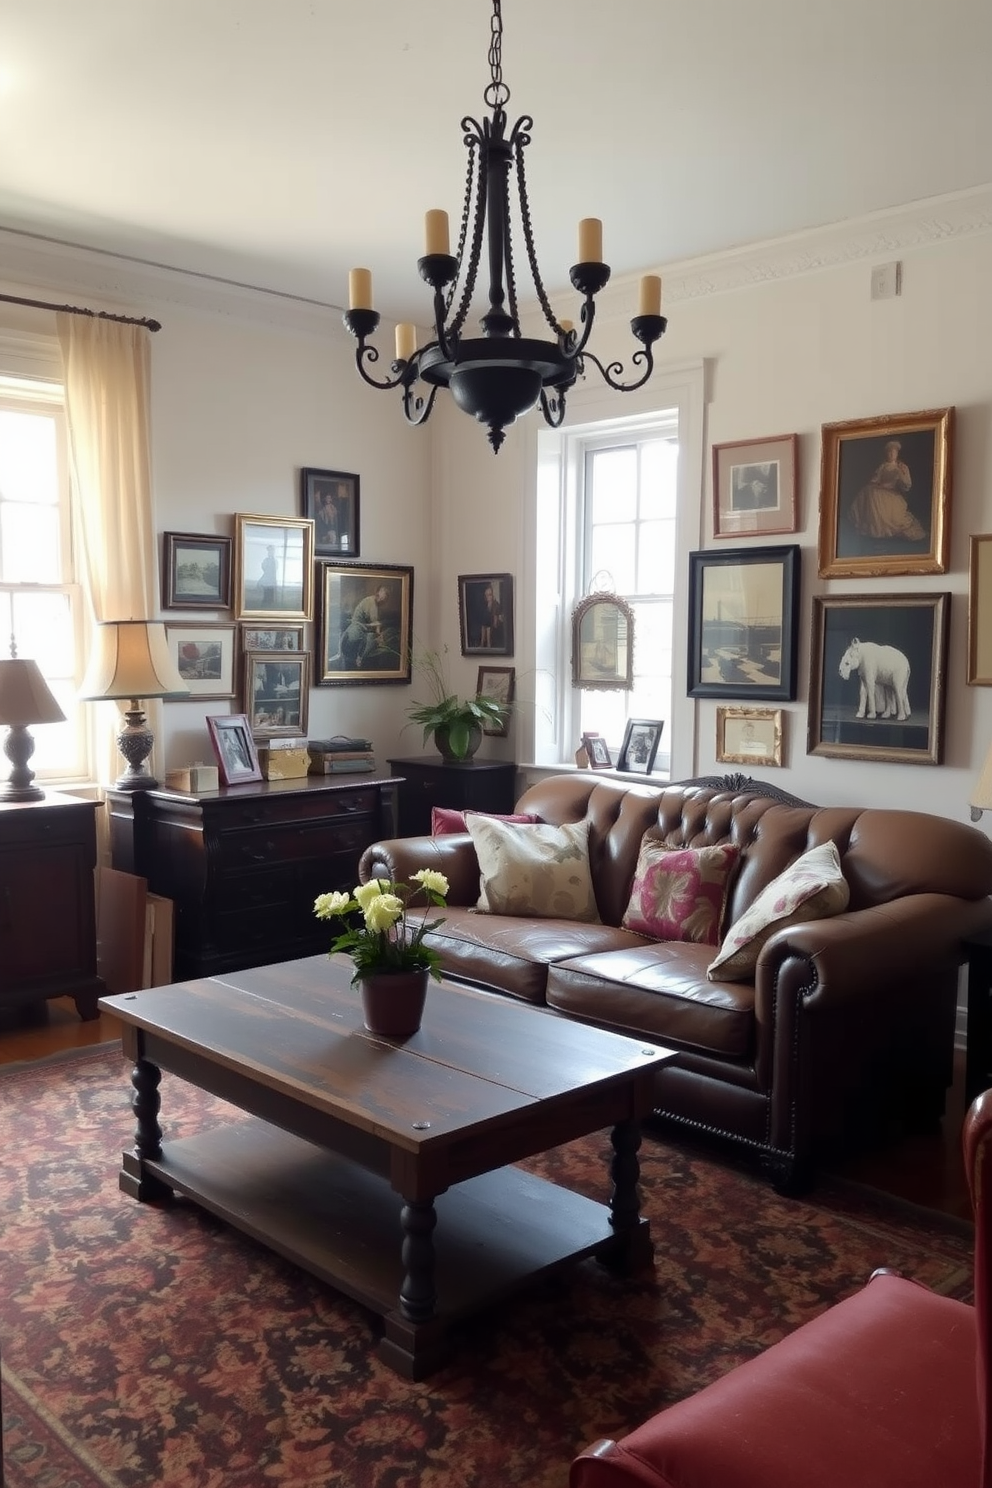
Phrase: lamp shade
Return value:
(24, 694)
(131, 660)
(981, 795)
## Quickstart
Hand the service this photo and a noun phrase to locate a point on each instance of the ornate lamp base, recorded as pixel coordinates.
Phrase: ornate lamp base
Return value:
(19, 747)
(135, 741)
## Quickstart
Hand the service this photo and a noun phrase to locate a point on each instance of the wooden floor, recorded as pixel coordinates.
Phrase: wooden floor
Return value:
(927, 1170)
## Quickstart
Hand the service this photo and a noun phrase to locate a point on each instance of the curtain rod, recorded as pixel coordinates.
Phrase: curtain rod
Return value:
(152, 325)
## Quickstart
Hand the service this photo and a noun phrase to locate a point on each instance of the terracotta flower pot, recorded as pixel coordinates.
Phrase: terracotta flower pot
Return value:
(393, 1002)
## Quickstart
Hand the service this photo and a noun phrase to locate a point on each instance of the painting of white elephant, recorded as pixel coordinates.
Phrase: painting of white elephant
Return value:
(877, 683)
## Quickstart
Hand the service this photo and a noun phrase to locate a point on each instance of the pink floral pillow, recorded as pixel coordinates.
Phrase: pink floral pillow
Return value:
(811, 888)
(446, 820)
(678, 893)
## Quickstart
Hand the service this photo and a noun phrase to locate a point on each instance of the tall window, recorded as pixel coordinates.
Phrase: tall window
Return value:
(627, 498)
(40, 603)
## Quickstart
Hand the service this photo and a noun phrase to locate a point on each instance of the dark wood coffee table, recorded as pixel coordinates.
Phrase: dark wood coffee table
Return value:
(382, 1166)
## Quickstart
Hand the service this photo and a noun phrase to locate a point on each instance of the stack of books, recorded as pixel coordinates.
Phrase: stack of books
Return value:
(340, 755)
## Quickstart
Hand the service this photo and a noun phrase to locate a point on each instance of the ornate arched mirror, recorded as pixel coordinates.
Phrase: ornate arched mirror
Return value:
(603, 643)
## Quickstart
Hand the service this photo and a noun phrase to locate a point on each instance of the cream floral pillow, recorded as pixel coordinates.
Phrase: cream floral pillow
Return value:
(536, 870)
(811, 888)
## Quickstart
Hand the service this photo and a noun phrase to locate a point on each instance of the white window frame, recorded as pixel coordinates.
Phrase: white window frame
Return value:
(546, 730)
(30, 380)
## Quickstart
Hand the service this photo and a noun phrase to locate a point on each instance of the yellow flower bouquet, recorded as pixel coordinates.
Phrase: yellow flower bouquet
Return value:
(385, 942)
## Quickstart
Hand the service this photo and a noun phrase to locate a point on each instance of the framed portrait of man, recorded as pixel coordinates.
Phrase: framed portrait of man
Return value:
(485, 612)
(365, 623)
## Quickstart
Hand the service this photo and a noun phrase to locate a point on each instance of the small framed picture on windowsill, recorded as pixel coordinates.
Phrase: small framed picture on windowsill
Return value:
(597, 752)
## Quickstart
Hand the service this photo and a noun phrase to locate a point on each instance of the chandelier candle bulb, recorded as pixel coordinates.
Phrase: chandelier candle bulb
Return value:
(360, 289)
(406, 342)
(566, 326)
(590, 240)
(436, 231)
(650, 297)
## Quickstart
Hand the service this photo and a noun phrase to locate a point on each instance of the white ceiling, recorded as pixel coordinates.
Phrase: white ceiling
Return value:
(276, 143)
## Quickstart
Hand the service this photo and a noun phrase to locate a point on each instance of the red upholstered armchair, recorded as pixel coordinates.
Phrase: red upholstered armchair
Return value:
(888, 1389)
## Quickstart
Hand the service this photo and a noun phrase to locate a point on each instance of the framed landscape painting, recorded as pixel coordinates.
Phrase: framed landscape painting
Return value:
(743, 623)
(885, 493)
(196, 571)
(877, 677)
(204, 657)
(366, 623)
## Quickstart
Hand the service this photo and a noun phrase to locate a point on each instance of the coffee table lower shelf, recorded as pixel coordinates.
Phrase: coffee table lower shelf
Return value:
(342, 1223)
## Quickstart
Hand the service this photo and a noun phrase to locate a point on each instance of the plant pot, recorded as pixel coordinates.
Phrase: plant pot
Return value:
(446, 752)
(393, 1002)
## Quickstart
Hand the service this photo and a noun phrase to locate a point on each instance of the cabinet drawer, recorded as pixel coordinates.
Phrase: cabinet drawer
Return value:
(270, 846)
(329, 807)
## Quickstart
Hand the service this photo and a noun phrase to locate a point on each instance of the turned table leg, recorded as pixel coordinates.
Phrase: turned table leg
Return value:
(145, 1103)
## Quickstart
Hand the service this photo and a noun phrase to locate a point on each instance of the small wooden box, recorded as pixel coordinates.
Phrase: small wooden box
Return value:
(193, 779)
(283, 764)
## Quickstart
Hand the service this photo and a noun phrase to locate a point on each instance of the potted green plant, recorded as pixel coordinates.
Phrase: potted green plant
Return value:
(454, 723)
(392, 963)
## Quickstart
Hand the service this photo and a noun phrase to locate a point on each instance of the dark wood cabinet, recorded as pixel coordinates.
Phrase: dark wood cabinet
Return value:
(477, 785)
(244, 864)
(47, 902)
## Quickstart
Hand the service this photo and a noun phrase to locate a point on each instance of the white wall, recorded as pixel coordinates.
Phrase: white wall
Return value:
(247, 389)
(791, 340)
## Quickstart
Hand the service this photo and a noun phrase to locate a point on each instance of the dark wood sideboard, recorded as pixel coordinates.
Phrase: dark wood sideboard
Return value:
(244, 864)
(47, 902)
(428, 781)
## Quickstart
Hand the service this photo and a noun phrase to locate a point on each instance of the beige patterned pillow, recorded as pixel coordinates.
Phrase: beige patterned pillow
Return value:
(811, 888)
(536, 870)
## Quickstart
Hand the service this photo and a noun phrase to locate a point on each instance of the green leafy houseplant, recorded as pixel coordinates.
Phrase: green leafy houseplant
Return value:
(384, 942)
(460, 721)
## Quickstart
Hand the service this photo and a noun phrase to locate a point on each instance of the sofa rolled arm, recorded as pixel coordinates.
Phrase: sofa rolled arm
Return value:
(905, 936)
(399, 857)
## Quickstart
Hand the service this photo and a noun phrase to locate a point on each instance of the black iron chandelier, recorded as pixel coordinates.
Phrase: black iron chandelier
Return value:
(501, 374)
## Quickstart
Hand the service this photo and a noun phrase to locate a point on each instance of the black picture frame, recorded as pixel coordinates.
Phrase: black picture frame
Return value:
(277, 692)
(234, 749)
(343, 660)
(485, 614)
(641, 738)
(196, 571)
(331, 499)
(744, 623)
(843, 695)
(498, 684)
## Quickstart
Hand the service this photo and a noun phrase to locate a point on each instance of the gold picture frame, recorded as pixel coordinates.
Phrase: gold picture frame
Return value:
(273, 567)
(754, 486)
(980, 612)
(885, 492)
(749, 736)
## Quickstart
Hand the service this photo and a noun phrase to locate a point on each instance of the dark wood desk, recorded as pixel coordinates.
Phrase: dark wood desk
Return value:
(357, 1147)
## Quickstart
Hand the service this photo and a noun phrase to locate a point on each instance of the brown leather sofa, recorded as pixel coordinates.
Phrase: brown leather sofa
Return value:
(849, 1024)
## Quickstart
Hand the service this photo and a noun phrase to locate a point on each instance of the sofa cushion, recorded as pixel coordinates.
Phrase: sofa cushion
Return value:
(537, 870)
(811, 888)
(445, 820)
(678, 893)
(512, 955)
(657, 990)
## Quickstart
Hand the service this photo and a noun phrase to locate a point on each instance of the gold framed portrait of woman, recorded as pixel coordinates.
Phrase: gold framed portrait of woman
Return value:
(885, 493)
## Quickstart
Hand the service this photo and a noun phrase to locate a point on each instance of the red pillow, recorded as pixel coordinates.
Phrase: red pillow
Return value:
(445, 820)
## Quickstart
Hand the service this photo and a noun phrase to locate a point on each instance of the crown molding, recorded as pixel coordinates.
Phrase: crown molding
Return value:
(43, 267)
(880, 235)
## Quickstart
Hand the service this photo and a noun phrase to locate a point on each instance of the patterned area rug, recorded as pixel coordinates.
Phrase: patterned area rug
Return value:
(145, 1345)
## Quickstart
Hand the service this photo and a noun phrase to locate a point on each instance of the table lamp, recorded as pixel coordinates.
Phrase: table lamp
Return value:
(24, 699)
(130, 662)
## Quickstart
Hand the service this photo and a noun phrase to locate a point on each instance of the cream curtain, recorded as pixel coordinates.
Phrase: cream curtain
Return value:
(107, 375)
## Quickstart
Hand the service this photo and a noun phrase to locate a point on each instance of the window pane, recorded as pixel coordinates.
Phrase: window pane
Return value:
(44, 630)
(28, 466)
(613, 480)
(29, 542)
(612, 552)
(656, 559)
(659, 470)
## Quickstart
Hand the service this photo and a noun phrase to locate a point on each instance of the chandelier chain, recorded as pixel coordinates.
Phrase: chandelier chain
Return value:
(474, 254)
(528, 232)
(472, 145)
(497, 94)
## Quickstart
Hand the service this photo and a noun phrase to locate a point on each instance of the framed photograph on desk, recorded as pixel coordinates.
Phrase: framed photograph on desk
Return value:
(234, 749)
